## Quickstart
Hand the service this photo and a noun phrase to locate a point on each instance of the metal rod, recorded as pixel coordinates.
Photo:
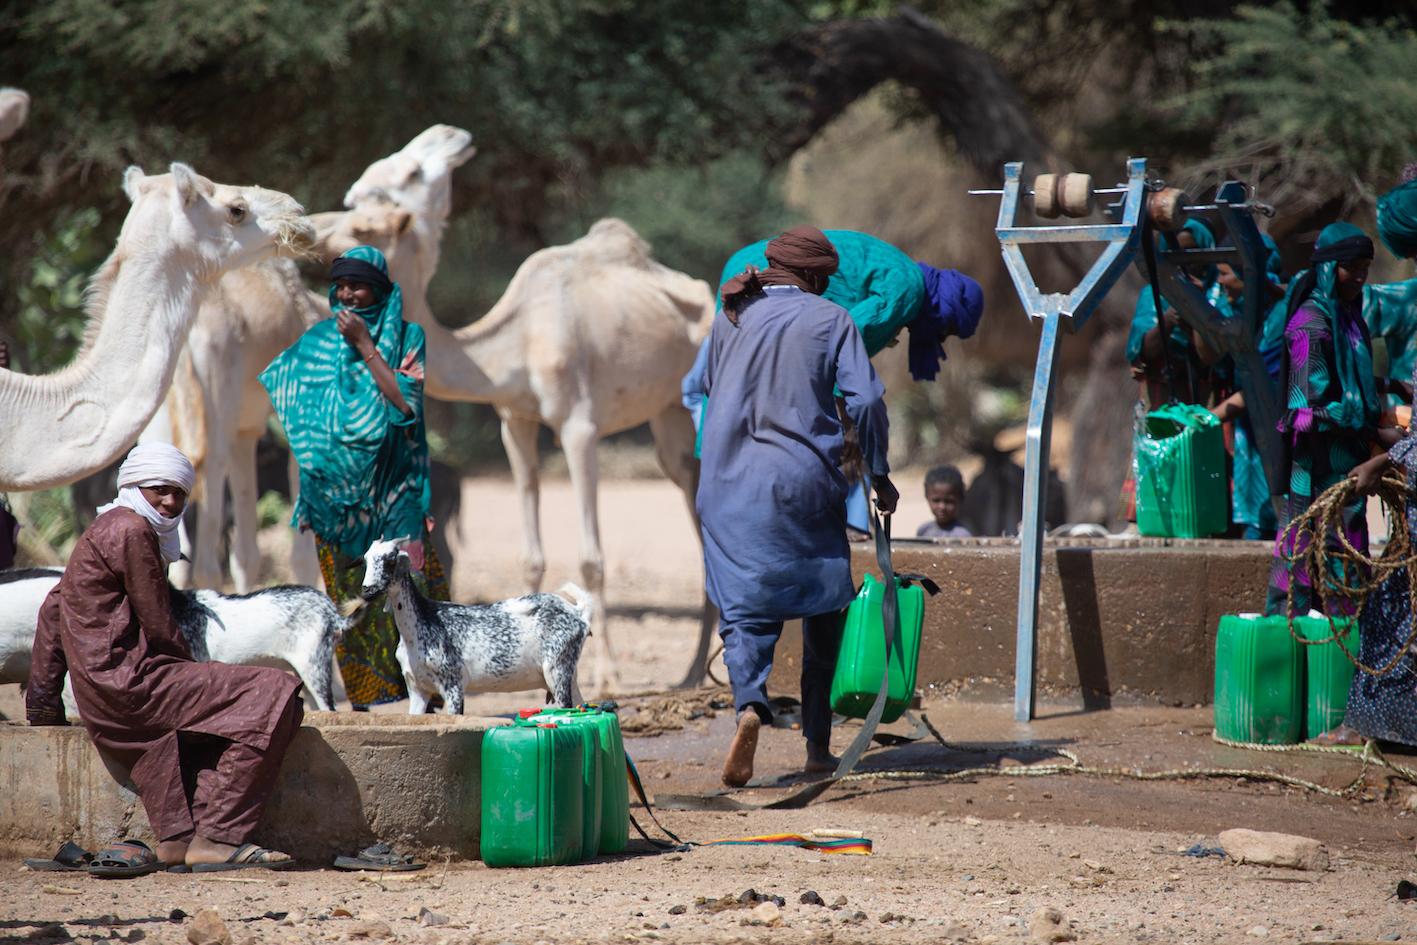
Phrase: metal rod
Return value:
(1035, 498)
(999, 193)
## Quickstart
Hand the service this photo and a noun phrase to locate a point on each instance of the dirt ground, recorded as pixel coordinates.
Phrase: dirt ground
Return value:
(970, 859)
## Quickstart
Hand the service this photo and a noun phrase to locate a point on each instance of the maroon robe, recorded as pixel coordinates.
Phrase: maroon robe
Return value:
(203, 740)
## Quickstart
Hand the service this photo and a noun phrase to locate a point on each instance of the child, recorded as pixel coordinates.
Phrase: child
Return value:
(944, 490)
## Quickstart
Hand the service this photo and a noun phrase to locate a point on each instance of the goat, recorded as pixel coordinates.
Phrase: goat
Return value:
(22, 591)
(283, 626)
(524, 643)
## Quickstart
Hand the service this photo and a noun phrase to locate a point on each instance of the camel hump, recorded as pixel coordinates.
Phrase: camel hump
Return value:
(613, 240)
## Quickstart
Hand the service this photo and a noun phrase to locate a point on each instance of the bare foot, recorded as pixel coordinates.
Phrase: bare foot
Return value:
(738, 766)
(172, 852)
(203, 850)
(1343, 735)
(820, 760)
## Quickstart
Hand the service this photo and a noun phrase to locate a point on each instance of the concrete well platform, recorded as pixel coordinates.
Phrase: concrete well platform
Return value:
(1133, 618)
(348, 779)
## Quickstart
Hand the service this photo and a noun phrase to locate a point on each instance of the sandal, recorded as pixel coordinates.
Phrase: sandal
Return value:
(246, 857)
(380, 856)
(124, 860)
(70, 858)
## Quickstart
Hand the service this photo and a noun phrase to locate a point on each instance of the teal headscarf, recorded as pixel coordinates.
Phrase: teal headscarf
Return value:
(1397, 220)
(1144, 313)
(363, 464)
(1359, 405)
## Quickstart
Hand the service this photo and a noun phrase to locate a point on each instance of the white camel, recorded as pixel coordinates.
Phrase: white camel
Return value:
(589, 339)
(181, 234)
(14, 110)
(217, 409)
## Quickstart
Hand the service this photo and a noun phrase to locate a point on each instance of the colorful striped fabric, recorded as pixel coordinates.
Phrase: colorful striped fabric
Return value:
(859, 846)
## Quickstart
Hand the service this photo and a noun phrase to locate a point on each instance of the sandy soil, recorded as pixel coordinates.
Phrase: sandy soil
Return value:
(958, 860)
(971, 861)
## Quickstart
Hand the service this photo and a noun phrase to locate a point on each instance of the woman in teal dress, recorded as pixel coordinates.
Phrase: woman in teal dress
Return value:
(355, 426)
(1332, 408)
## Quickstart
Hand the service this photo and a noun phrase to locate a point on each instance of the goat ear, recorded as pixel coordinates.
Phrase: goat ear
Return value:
(185, 180)
(133, 179)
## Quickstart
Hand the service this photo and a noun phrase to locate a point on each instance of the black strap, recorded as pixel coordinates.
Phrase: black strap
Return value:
(1148, 252)
(633, 775)
(890, 622)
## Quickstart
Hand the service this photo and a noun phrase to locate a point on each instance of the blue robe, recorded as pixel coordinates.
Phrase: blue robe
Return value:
(771, 494)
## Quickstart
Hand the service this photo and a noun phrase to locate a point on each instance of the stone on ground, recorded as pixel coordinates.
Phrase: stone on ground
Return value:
(208, 929)
(1048, 925)
(1274, 849)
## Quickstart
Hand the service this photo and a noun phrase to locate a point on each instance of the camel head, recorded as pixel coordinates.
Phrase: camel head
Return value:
(419, 177)
(383, 226)
(14, 109)
(221, 226)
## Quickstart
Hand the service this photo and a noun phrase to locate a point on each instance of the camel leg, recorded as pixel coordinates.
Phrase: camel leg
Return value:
(211, 522)
(304, 559)
(579, 439)
(519, 439)
(245, 554)
(674, 438)
(179, 573)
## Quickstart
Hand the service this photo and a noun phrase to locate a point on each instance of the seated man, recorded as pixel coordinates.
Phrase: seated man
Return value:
(203, 740)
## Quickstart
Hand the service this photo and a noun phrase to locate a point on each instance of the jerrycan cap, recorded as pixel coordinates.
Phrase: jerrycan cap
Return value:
(548, 725)
(527, 713)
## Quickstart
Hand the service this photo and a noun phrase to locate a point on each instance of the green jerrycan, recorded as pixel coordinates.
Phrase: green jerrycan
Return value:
(1328, 672)
(1180, 474)
(862, 659)
(613, 795)
(1259, 681)
(533, 795)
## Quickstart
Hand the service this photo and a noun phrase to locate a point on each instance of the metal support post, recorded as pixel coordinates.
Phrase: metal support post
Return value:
(1035, 501)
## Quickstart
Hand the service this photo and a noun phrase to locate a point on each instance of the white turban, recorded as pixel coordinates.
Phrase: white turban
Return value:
(157, 464)
(154, 464)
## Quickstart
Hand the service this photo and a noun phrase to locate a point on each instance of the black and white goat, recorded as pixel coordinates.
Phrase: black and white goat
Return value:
(529, 642)
(287, 626)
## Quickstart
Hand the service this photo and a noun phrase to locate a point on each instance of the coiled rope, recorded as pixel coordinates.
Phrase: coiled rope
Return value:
(1341, 576)
(1369, 756)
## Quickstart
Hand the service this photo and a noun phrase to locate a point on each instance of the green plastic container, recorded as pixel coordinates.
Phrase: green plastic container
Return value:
(1180, 474)
(1328, 672)
(533, 795)
(613, 793)
(861, 661)
(1259, 681)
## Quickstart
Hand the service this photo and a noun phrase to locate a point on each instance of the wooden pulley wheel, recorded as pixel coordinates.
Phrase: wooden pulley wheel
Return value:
(1045, 195)
(1076, 194)
(1167, 208)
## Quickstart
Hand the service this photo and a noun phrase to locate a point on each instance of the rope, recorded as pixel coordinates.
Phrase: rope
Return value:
(1341, 576)
(1370, 756)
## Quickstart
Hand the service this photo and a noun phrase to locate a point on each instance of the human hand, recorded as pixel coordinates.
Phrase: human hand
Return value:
(887, 496)
(354, 331)
(410, 367)
(1367, 475)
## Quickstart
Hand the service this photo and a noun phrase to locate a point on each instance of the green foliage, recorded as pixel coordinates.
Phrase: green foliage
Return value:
(1328, 102)
(52, 522)
(694, 217)
(51, 319)
(272, 508)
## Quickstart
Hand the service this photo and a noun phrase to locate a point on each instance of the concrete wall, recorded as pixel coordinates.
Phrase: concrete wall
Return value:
(1134, 618)
(348, 779)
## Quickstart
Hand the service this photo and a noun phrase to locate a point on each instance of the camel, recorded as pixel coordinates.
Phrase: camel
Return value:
(217, 409)
(14, 110)
(181, 234)
(589, 339)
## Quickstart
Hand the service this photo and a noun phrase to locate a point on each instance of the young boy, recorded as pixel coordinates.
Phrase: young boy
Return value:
(944, 490)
